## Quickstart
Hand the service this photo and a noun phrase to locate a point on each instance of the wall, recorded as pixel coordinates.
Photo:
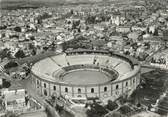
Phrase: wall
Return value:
(64, 93)
(79, 94)
(55, 91)
(113, 91)
(104, 93)
(94, 94)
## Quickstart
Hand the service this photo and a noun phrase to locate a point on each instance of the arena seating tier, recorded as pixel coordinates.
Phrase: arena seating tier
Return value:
(123, 68)
(60, 59)
(46, 66)
(80, 59)
(52, 65)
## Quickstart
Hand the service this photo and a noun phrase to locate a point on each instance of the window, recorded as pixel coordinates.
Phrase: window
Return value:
(79, 90)
(66, 89)
(79, 96)
(92, 90)
(44, 85)
(38, 82)
(126, 84)
(105, 89)
(117, 86)
(54, 87)
(133, 80)
(45, 92)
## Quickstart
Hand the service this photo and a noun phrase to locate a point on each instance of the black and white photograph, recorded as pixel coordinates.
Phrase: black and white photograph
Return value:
(83, 58)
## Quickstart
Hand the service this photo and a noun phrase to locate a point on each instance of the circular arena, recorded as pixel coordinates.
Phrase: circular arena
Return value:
(84, 74)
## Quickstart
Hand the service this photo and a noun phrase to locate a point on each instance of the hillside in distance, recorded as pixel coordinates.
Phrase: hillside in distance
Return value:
(53, 1)
(15, 4)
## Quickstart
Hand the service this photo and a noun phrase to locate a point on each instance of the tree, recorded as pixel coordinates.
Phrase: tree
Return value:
(71, 12)
(17, 29)
(142, 56)
(115, 114)
(10, 114)
(5, 53)
(20, 54)
(5, 84)
(64, 46)
(53, 46)
(125, 109)
(33, 52)
(45, 48)
(90, 20)
(3, 27)
(156, 33)
(111, 105)
(32, 38)
(31, 46)
(10, 65)
(96, 111)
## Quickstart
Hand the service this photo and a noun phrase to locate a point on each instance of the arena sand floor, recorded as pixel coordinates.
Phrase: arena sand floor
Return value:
(85, 77)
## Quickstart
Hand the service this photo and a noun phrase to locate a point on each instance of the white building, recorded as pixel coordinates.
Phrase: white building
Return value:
(15, 100)
(167, 61)
(0, 82)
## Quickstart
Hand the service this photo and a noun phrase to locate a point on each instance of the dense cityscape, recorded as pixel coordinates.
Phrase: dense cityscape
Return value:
(45, 44)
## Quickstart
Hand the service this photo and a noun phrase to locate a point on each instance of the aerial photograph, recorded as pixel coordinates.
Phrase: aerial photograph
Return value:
(83, 58)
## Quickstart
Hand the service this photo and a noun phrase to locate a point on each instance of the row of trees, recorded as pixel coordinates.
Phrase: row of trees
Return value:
(92, 19)
(97, 110)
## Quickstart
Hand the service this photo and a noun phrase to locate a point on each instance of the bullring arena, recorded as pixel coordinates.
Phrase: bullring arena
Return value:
(86, 74)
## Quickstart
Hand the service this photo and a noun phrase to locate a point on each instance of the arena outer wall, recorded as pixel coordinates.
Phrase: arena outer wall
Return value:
(114, 89)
